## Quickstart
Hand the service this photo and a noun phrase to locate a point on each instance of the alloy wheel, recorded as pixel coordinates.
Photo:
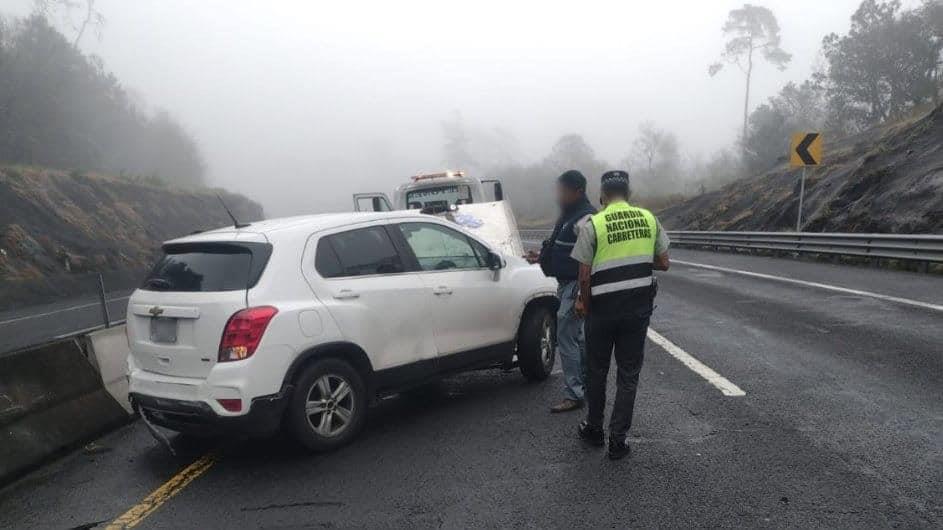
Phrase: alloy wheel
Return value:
(329, 406)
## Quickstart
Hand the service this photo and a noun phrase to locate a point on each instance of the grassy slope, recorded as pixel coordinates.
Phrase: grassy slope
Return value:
(97, 222)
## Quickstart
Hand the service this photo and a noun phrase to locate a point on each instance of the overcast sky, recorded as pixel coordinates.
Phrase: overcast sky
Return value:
(299, 103)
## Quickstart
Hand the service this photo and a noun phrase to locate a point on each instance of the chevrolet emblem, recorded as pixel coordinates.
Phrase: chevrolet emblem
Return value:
(156, 311)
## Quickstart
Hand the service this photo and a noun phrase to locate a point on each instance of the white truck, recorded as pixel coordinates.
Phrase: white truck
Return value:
(460, 198)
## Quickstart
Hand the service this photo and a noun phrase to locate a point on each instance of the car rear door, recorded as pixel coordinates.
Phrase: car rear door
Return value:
(377, 302)
(176, 318)
(471, 306)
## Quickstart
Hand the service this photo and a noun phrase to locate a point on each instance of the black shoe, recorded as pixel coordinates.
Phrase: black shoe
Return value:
(592, 435)
(619, 449)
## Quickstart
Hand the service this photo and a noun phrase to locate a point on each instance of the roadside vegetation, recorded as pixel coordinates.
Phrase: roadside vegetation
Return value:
(61, 108)
(888, 68)
(91, 178)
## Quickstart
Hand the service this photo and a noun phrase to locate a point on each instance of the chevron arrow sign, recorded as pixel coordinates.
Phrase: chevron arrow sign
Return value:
(805, 149)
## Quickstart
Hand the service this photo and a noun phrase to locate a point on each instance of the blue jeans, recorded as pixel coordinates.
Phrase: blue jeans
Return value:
(571, 345)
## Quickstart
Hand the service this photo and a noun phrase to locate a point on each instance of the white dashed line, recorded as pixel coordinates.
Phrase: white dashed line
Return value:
(722, 383)
(895, 299)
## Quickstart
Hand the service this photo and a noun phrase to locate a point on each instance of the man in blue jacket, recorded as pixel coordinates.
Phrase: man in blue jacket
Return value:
(575, 210)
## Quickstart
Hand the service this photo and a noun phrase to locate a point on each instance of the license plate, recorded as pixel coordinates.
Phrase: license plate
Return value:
(164, 329)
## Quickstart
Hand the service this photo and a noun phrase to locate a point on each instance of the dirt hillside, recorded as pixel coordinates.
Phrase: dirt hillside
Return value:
(55, 222)
(885, 180)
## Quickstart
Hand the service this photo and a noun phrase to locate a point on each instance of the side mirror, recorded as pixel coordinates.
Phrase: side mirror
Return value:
(494, 261)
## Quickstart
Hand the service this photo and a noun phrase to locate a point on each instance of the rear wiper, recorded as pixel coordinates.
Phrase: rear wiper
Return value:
(158, 284)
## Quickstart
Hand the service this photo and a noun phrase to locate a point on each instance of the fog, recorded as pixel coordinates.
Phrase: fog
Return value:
(299, 104)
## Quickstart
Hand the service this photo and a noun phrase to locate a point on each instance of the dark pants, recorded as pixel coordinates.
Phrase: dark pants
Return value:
(625, 336)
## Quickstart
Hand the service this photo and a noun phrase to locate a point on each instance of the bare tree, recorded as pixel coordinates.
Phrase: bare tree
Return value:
(655, 146)
(655, 161)
(752, 29)
(646, 145)
(90, 18)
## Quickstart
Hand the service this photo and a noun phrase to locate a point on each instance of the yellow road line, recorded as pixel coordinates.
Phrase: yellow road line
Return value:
(155, 500)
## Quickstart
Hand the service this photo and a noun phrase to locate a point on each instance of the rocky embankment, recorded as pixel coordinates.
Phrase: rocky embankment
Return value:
(885, 180)
(56, 223)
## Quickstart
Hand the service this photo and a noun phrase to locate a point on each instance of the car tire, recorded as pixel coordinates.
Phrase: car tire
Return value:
(537, 343)
(328, 405)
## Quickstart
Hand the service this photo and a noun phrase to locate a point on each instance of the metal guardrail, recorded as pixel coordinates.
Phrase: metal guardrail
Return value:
(84, 305)
(916, 247)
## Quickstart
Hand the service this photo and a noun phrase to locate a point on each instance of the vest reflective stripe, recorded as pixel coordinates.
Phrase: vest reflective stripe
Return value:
(625, 247)
(564, 243)
(624, 285)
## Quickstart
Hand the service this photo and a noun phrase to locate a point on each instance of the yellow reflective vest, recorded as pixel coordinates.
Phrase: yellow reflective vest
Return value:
(625, 248)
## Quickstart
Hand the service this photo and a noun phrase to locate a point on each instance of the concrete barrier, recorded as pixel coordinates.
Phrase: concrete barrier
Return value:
(53, 398)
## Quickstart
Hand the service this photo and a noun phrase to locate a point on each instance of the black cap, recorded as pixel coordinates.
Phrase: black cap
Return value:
(616, 177)
(616, 181)
(573, 179)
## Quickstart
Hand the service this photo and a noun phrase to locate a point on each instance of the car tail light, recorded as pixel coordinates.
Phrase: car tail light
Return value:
(243, 333)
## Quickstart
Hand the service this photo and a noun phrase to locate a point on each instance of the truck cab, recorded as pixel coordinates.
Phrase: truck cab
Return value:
(457, 197)
(433, 193)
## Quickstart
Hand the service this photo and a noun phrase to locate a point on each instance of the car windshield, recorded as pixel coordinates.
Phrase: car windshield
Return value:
(443, 195)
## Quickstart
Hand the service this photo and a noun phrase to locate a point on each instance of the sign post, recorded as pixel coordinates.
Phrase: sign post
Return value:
(801, 195)
(805, 150)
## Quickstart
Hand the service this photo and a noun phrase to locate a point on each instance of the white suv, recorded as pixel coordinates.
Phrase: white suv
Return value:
(303, 321)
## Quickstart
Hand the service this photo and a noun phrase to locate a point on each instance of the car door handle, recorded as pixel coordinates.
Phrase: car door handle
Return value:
(346, 294)
(442, 289)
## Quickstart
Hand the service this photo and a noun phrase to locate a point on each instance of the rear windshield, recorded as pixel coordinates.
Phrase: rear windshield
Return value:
(203, 267)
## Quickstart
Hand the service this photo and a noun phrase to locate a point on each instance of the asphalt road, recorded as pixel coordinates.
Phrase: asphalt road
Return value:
(841, 425)
(41, 323)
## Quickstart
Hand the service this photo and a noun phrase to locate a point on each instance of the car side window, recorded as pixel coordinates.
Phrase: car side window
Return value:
(481, 251)
(439, 248)
(357, 253)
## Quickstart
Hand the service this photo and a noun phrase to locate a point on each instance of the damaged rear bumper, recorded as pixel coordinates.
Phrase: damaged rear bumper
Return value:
(197, 417)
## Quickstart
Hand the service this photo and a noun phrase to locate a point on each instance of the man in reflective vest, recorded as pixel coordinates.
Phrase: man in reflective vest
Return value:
(617, 251)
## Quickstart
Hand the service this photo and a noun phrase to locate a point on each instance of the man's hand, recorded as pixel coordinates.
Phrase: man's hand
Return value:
(580, 308)
(583, 299)
(661, 262)
(532, 257)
